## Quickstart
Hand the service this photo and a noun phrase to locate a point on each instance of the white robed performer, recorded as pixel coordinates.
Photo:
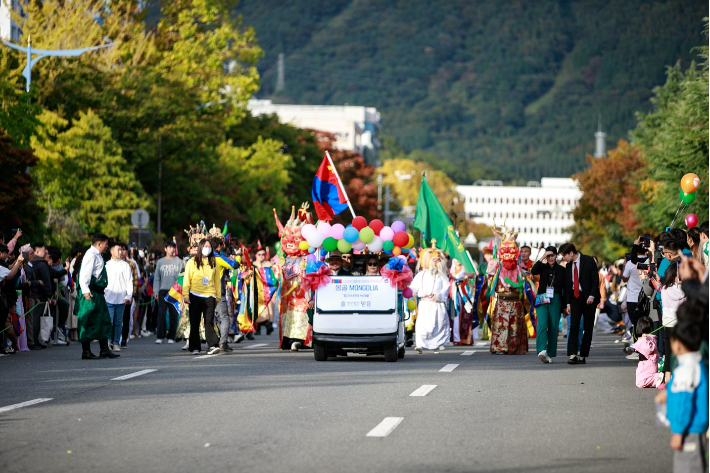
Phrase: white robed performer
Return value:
(431, 286)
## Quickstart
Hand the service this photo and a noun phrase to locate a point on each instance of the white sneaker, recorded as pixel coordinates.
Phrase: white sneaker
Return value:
(186, 346)
(442, 348)
(116, 348)
(110, 346)
(239, 338)
(543, 356)
(159, 341)
(295, 346)
(418, 350)
(213, 351)
(633, 356)
(549, 360)
(195, 352)
(170, 341)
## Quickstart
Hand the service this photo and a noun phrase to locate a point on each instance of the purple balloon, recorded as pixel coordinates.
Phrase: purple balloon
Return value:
(386, 234)
(398, 226)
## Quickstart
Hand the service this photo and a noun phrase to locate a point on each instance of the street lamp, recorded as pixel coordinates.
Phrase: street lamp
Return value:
(27, 71)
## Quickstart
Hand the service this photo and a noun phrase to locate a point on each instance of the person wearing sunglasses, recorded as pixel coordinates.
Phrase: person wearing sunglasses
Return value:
(373, 267)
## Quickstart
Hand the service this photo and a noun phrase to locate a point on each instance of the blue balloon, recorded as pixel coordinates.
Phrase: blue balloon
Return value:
(351, 234)
(311, 250)
(404, 251)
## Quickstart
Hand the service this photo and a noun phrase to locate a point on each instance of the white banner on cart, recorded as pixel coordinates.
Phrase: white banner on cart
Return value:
(356, 294)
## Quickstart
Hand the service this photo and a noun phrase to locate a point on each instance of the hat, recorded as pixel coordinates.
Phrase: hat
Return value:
(334, 254)
(552, 249)
(489, 248)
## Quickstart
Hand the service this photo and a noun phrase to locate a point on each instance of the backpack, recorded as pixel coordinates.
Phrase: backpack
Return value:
(643, 307)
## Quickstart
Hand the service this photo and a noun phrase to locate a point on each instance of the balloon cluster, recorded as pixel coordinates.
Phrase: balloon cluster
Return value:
(376, 237)
(689, 185)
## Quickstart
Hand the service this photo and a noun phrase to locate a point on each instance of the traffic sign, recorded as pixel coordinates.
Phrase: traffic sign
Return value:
(140, 218)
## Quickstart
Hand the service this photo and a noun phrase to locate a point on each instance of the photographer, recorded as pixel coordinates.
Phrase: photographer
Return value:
(630, 275)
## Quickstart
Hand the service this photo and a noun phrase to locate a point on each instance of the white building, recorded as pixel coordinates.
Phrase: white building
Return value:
(9, 30)
(354, 127)
(540, 212)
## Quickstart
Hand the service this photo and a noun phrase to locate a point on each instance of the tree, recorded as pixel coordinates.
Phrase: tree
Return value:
(606, 222)
(255, 180)
(18, 205)
(85, 182)
(674, 138)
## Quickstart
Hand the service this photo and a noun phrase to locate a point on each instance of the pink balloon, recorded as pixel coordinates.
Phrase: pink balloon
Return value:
(398, 226)
(336, 231)
(407, 293)
(386, 234)
(691, 220)
(359, 245)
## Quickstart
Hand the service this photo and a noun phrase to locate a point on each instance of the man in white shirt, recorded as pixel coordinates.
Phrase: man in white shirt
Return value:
(633, 283)
(118, 293)
(94, 320)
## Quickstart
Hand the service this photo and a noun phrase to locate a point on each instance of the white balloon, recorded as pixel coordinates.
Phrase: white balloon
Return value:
(315, 239)
(375, 246)
(359, 245)
(324, 229)
(308, 230)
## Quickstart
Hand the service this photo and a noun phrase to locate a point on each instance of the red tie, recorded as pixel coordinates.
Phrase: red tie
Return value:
(576, 280)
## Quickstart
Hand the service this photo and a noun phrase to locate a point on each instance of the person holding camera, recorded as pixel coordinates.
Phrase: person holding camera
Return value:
(630, 275)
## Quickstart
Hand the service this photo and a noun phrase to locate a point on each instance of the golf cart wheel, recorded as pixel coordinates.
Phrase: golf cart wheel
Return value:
(400, 353)
(320, 353)
(391, 353)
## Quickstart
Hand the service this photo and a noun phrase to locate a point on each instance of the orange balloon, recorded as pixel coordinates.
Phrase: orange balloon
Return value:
(396, 251)
(690, 183)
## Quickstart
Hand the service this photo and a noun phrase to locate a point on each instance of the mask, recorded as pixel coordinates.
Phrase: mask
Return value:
(206, 251)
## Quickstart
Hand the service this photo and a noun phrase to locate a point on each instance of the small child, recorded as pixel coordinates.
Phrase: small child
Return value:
(687, 401)
(647, 375)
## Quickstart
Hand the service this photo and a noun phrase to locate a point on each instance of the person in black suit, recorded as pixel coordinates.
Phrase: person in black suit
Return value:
(582, 295)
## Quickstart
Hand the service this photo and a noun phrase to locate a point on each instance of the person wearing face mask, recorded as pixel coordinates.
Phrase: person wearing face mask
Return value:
(201, 290)
(548, 303)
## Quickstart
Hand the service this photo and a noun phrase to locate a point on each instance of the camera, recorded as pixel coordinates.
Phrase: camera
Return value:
(642, 267)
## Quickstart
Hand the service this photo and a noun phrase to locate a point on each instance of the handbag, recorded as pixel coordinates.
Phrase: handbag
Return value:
(46, 324)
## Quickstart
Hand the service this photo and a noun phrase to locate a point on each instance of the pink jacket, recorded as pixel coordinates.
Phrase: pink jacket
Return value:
(647, 370)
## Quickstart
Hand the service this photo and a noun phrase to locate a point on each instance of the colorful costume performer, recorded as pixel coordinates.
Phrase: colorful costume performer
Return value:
(295, 330)
(431, 286)
(461, 310)
(509, 285)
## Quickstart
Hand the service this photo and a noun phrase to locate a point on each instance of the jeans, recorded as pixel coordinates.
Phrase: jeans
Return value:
(202, 307)
(115, 311)
(222, 320)
(548, 318)
(164, 306)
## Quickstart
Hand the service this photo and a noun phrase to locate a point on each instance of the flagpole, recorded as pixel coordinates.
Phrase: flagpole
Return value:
(342, 188)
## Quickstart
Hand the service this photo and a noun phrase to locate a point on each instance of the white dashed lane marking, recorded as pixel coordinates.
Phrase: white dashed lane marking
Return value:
(133, 375)
(468, 353)
(424, 390)
(448, 368)
(25, 404)
(385, 427)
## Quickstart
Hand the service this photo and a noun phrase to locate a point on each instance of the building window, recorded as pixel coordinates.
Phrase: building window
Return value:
(489, 200)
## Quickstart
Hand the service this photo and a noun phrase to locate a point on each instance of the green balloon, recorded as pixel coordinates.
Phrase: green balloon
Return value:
(344, 246)
(330, 244)
(367, 234)
(388, 245)
(687, 198)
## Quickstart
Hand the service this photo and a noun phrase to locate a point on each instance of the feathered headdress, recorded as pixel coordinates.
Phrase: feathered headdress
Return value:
(196, 234)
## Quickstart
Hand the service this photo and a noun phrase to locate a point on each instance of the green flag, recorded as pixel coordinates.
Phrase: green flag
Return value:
(432, 221)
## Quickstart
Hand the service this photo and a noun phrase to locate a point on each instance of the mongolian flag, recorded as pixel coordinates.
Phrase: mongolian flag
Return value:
(326, 192)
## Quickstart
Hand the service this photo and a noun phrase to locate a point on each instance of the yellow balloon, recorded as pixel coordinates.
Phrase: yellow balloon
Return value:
(410, 243)
(304, 245)
(411, 304)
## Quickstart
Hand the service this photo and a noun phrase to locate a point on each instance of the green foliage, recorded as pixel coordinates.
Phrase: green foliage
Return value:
(18, 205)
(516, 89)
(85, 183)
(674, 138)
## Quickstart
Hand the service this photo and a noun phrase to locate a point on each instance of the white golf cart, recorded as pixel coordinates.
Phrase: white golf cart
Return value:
(358, 314)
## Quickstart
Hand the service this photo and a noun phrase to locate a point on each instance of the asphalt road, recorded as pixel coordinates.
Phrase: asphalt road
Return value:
(261, 410)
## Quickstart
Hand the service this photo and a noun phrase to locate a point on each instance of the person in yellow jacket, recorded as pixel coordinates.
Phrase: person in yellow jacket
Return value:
(201, 289)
